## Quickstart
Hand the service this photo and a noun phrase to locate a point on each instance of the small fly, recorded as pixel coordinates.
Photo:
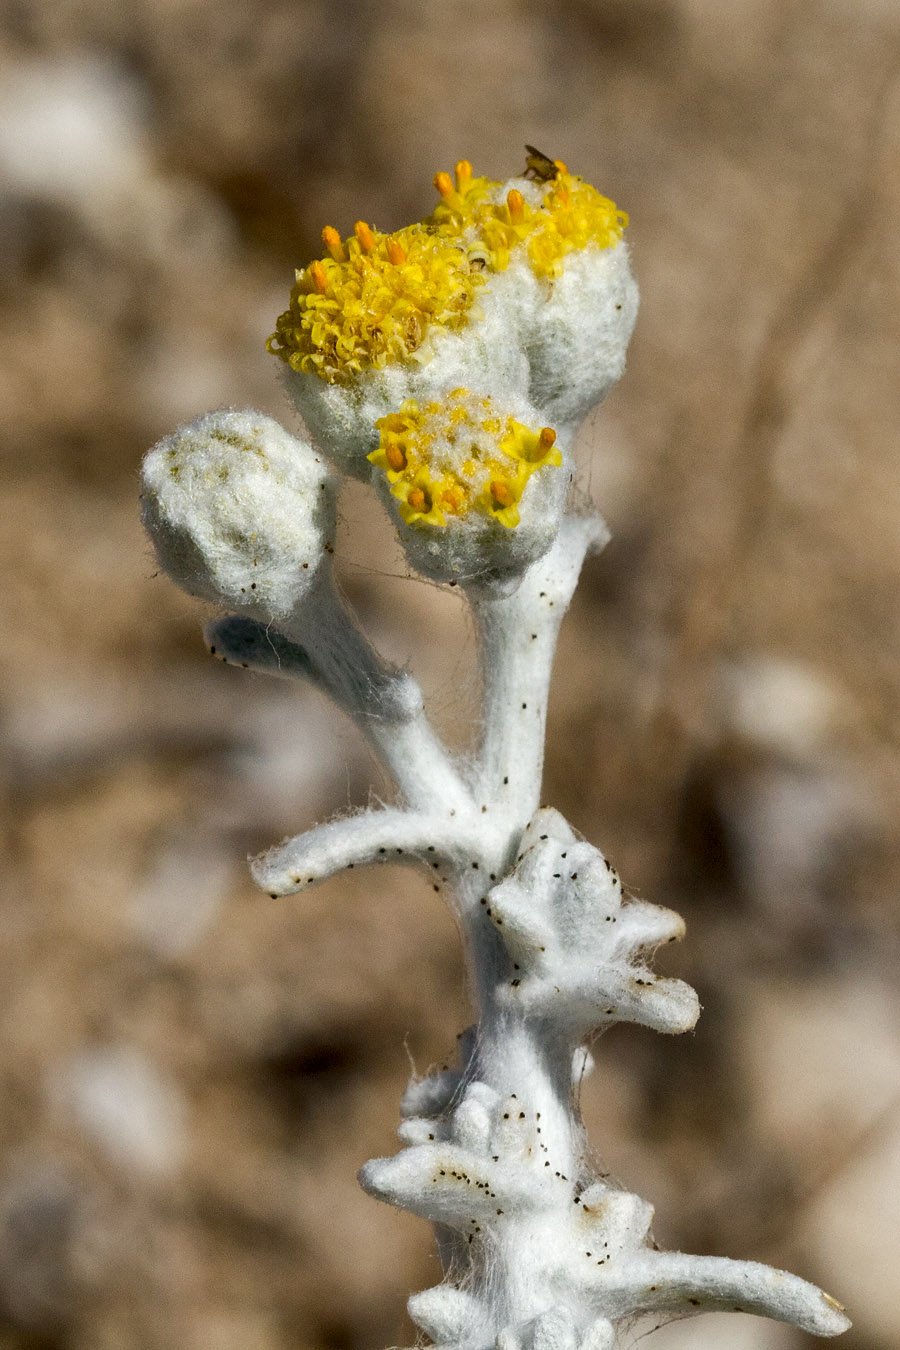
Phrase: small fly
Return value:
(539, 166)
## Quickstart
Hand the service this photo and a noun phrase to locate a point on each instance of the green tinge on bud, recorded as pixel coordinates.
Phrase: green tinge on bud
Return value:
(240, 512)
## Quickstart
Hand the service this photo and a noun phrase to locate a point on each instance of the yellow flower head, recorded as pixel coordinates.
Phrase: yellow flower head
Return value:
(458, 456)
(373, 298)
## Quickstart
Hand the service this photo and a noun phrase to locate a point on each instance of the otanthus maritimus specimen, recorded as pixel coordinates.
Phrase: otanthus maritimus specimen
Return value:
(448, 365)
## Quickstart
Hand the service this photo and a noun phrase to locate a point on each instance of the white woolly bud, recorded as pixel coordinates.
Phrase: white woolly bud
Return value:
(472, 1124)
(600, 1335)
(239, 511)
(623, 1220)
(576, 345)
(552, 1330)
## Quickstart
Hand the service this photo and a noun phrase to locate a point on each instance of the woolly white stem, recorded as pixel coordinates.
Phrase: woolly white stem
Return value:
(385, 702)
(517, 639)
(553, 1258)
(322, 642)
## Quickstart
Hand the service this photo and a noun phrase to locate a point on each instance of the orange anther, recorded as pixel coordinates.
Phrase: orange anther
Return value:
(418, 500)
(562, 194)
(318, 276)
(547, 437)
(463, 173)
(332, 241)
(516, 203)
(396, 252)
(563, 168)
(501, 493)
(396, 457)
(364, 235)
(444, 184)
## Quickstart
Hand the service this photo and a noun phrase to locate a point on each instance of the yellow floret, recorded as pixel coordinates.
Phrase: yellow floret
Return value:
(374, 297)
(420, 499)
(500, 496)
(532, 448)
(377, 305)
(457, 456)
(571, 215)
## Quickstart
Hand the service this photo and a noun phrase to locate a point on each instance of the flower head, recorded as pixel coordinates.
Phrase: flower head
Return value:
(538, 221)
(374, 298)
(457, 472)
(521, 289)
(371, 301)
(239, 511)
(458, 456)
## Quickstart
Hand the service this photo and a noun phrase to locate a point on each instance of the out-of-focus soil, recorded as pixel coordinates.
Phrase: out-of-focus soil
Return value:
(192, 1072)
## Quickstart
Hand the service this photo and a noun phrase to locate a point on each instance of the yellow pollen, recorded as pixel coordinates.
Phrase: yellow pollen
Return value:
(516, 203)
(396, 252)
(318, 276)
(396, 457)
(444, 184)
(563, 168)
(463, 174)
(418, 500)
(364, 235)
(501, 493)
(332, 241)
(547, 438)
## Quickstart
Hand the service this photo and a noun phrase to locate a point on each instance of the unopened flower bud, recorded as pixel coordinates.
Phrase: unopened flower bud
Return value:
(576, 345)
(239, 511)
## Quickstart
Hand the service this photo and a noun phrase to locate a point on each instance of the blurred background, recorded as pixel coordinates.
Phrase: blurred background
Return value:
(192, 1072)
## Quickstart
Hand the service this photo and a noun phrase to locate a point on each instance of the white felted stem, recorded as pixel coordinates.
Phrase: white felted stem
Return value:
(385, 702)
(320, 641)
(517, 637)
(495, 1155)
